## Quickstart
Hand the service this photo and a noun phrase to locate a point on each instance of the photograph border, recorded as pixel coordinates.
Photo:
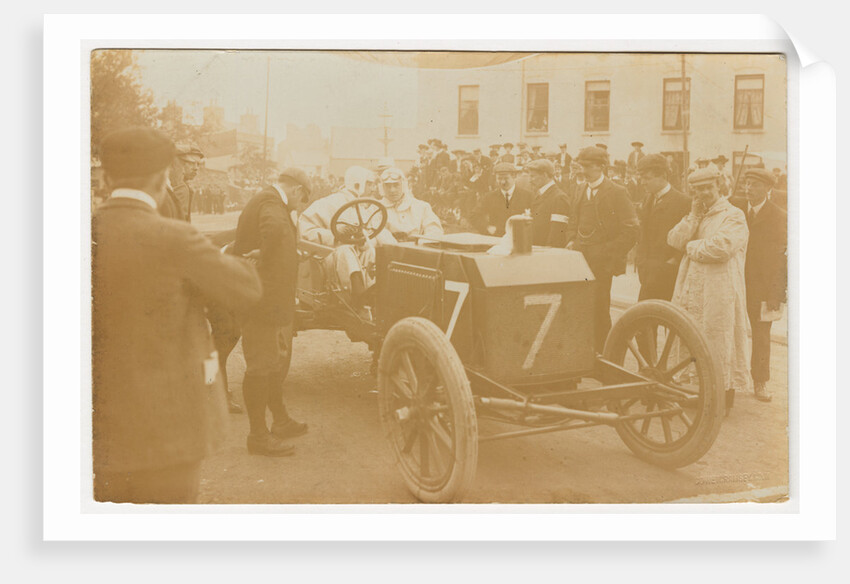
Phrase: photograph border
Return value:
(69, 512)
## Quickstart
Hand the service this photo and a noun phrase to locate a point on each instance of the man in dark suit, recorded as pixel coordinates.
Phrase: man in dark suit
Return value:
(266, 227)
(564, 160)
(765, 271)
(508, 156)
(157, 400)
(498, 205)
(550, 207)
(658, 263)
(604, 227)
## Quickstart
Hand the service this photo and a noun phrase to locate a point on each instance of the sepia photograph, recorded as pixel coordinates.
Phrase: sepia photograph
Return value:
(425, 276)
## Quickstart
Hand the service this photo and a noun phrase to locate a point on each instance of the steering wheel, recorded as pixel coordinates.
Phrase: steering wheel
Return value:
(362, 208)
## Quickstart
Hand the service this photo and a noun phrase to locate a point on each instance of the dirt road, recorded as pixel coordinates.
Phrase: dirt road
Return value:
(344, 459)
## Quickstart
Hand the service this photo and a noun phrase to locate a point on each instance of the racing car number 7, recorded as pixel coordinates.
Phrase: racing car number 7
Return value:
(554, 302)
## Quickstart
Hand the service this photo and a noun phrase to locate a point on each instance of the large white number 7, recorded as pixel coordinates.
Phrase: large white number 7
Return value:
(554, 302)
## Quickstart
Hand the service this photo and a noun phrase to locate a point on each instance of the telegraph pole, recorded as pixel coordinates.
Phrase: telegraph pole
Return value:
(386, 115)
(265, 124)
(684, 115)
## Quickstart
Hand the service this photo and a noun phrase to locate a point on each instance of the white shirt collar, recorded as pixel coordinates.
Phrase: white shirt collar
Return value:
(510, 192)
(756, 208)
(134, 194)
(663, 191)
(545, 187)
(282, 193)
(595, 184)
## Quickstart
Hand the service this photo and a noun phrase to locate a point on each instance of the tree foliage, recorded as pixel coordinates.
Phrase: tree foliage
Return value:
(251, 167)
(118, 99)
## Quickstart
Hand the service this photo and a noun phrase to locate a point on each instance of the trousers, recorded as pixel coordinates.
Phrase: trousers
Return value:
(760, 360)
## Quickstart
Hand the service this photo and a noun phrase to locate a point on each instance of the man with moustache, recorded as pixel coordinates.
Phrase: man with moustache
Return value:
(501, 203)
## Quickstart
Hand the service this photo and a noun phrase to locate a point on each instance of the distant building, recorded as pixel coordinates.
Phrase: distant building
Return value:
(365, 147)
(304, 148)
(733, 101)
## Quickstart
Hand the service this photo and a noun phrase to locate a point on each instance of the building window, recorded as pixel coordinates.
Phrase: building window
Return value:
(677, 104)
(597, 103)
(749, 102)
(537, 118)
(467, 116)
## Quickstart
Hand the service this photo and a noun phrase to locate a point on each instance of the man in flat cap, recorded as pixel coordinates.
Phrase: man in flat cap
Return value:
(265, 228)
(604, 227)
(635, 156)
(710, 284)
(550, 206)
(185, 167)
(657, 263)
(157, 396)
(765, 271)
(499, 204)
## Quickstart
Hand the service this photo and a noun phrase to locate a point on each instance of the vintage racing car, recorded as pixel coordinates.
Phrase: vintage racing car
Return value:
(460, 335)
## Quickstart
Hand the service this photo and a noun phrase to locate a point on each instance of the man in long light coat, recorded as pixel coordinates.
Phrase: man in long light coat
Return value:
(710, 284)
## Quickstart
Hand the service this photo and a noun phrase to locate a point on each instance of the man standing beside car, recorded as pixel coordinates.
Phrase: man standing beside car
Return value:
(266, 226)
(604, 227)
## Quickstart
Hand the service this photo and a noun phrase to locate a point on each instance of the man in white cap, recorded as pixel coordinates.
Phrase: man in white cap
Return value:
(710, 283)
(408, 216)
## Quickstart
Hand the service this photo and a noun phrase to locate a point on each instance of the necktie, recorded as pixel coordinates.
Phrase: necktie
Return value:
(751, 215)
(507, 200)
(591, 192)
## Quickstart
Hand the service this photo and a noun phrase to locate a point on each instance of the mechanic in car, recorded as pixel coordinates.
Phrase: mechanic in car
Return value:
(407, 216)
(347, 265)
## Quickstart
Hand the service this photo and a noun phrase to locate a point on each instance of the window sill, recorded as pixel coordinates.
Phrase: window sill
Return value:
(748, 130)
(591, 133)
(536, 133)
(673, 132)
(463, 136)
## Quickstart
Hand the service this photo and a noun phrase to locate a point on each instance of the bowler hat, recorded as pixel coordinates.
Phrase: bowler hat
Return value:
(541, 165)
(136, 152)
(652, 163)
(592, 155)
(762, 175)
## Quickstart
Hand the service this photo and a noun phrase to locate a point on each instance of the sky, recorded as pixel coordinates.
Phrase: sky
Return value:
(305, 87)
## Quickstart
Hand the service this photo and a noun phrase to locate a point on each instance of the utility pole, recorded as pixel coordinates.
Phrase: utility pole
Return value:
(684, 115)
(266, 124)
(386, 139)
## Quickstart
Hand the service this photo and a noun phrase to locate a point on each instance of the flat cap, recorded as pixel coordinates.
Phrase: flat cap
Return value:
(508, 145)
(704, 175)
(495, 146)
(187, 151)
(761, 174)
(298, 176)
(637, 144)
(476, 150)
(652, 163)
(136, 152)
(603, 146)
(535, 147)
(423, 147)
(592, 155)
(562, 145)
(720, 159)
(503, 167)
(541, 165)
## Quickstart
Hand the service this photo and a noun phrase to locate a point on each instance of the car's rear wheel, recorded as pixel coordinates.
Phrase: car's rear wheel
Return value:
(427, 411)
(676, 424)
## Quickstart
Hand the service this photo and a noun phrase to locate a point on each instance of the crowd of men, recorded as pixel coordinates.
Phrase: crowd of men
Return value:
(160, 287)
